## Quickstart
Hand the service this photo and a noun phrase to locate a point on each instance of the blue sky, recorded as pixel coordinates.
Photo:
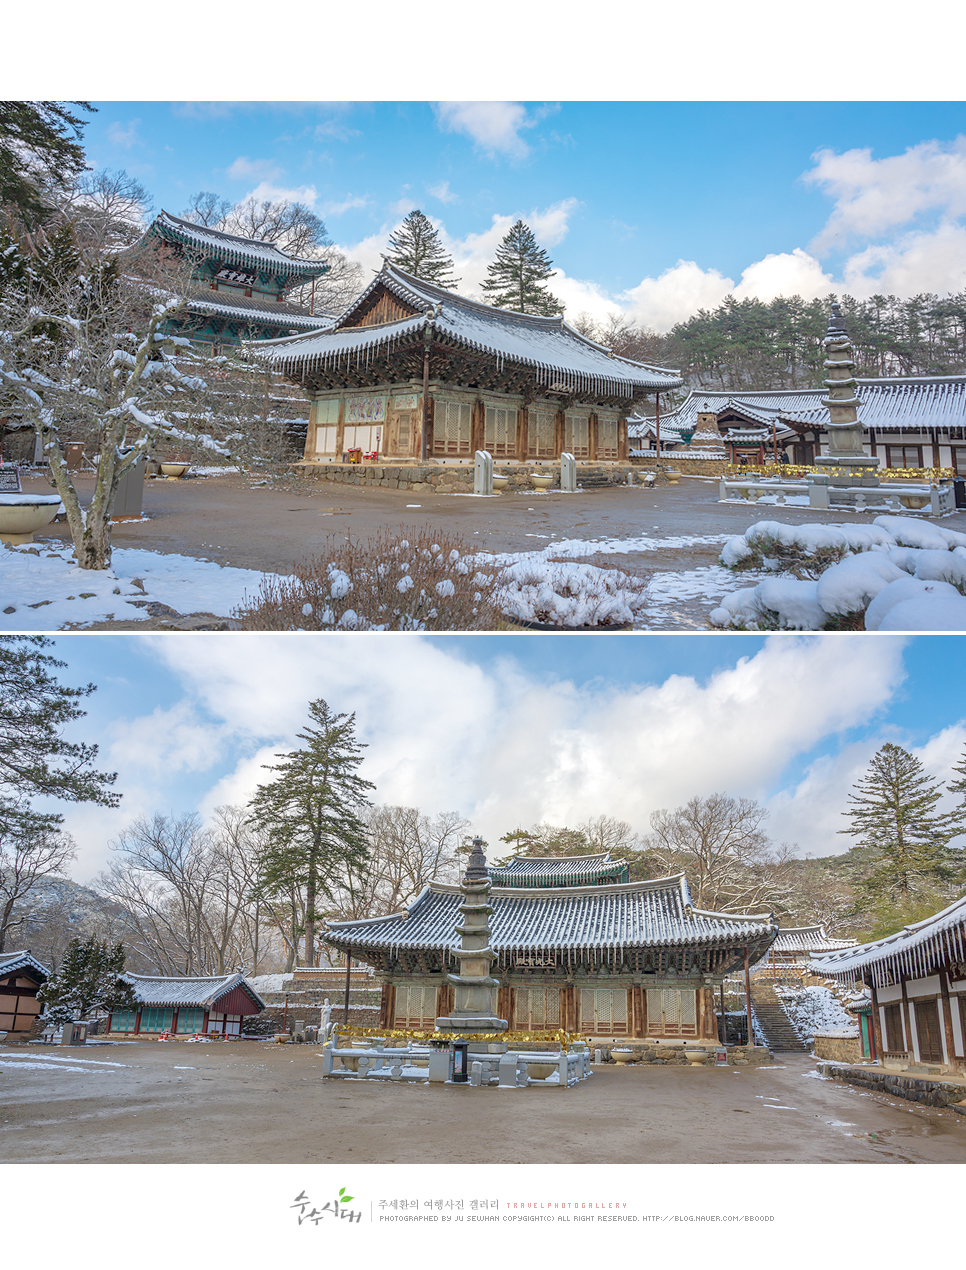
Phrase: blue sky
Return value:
(512, 731)
(652, 209)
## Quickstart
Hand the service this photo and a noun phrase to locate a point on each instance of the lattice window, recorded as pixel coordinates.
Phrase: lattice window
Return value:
(903, 455)
(671, 1012)
(191, 1020)
(607, 436)
(451, 427)
(123, 1020)
(603, 1011)
(500, 431)
(535, 1008)
(577, 435)
(540, 434)
(415, 1005)
(154, 1020)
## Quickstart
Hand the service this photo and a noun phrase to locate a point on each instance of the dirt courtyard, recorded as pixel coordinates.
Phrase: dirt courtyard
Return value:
(257, 1102)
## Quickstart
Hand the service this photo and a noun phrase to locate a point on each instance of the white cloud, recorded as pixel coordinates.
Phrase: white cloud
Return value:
(348, 204)
(874, 196)
(929, 261)
(657, 303)
(784, 273)
(268, 191)
(502, 746)
(244, 169)
(442, 191)
(125, 135)
(493, 125)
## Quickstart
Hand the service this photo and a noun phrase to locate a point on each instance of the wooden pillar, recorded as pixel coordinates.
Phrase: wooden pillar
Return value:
(477, 426)
(592, 447)
(424, 432)
(878, 1044)
(570, 994)
(348, 984)
(387, 1005)
(751, 1035)
(504, 1003)
(945, 1008)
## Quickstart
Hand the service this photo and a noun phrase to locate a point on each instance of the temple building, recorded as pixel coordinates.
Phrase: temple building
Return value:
(790, 954)
(917, 986)
(209, 1005)
(243, 283)
(21, 975)
(413, 371)
(915, 422)
(572, 948)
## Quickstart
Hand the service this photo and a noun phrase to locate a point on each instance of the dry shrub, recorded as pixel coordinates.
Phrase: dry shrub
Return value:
(568, 594)
(416, 581)
(805, 563)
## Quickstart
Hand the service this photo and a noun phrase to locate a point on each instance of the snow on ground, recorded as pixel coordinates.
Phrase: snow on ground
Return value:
(42, 588)
(814, 1010)
(903, 574)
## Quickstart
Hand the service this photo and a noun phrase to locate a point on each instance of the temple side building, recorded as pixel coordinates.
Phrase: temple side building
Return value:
(794, 948)
(243, 284)
(414, 371)
(914, 422)
(596, 956)
(917, 984)
(212, 1004)
(21, 976)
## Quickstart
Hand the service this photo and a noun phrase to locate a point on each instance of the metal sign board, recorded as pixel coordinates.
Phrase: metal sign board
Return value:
(10, 480)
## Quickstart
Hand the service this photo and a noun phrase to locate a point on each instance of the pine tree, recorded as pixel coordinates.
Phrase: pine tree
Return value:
(88, 979)
(894, 816)
(310, 814)
(415, 247)
(39, 146)
(515, 278)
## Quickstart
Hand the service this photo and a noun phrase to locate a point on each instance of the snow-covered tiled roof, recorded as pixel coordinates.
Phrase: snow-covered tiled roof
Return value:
(563, 871)
(564, 360)
(913, 952)
(11, 962)
(241, 307)
(233, 249)
(187, 990)
(808, 939)
(893, 404)
(656, 914)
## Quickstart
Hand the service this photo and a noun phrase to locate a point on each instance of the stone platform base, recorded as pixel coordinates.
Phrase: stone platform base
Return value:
(450, 478)
(939, 1092)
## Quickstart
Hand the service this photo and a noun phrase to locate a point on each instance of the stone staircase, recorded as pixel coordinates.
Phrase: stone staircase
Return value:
(774, 1022)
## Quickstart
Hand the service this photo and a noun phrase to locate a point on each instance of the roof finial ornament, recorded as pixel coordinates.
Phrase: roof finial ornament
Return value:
(476, 870)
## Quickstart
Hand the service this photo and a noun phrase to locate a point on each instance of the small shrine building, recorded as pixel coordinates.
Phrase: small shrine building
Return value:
(574, 949)
(244, 284)
(413, 371)
(794, 948)
(187, 1005)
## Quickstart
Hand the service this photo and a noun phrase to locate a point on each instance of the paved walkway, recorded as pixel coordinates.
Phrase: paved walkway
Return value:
(258, 1102)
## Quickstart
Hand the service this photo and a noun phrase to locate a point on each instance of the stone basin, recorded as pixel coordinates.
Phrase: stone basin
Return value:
(540, 482)
(22, 514)
(622, 1056)
(174, 471)
(500, 482)
(914, 502)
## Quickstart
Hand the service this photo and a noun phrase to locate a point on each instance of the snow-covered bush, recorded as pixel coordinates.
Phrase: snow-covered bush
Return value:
(569, 594)
(899, 573)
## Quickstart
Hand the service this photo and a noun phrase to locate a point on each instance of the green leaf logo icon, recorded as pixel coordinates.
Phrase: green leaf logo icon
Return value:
(343, 1197)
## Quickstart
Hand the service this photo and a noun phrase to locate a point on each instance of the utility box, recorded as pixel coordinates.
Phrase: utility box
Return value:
(74, 1034)
(129, 496)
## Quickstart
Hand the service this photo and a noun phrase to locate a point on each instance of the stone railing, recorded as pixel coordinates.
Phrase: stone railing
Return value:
(925, 500)
(413, 1062)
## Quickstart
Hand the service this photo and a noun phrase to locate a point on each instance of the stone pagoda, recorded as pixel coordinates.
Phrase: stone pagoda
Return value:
(847, 463)
(475, 990)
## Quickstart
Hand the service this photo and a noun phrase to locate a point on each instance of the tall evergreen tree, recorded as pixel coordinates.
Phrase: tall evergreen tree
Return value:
(40, 145)
(416, 247)
(894, 816)
(515, 278)
(311, 816)
(88, 979)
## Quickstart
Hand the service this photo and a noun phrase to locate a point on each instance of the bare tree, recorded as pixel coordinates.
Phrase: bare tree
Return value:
(108, 208)
(718, 843)
(26, 855)
(207, 208)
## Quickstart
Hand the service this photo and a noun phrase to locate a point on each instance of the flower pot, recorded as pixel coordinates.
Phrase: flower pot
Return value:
(500, 482)
(22, 514)
(695, 1057)
(622, 1056)
(540, 482)
(174, 471)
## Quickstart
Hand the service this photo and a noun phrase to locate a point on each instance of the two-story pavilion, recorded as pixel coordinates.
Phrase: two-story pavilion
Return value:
(575, 950)
(243, 284)
(414, 371)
